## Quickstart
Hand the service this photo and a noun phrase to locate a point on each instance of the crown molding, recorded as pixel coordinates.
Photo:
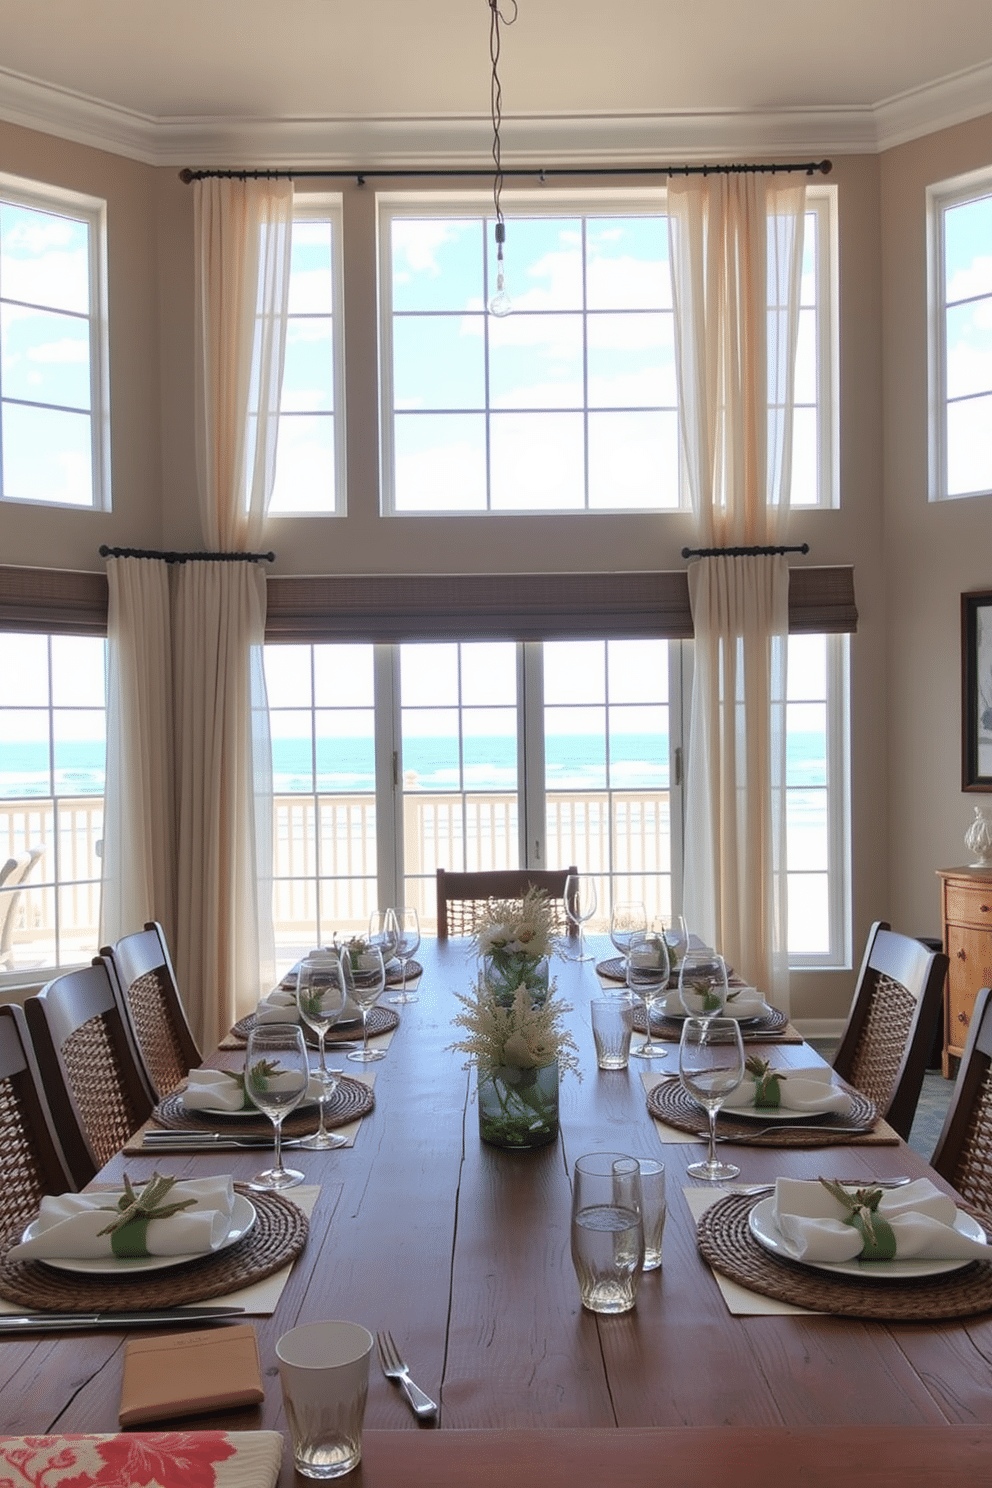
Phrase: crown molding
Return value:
(346, 143)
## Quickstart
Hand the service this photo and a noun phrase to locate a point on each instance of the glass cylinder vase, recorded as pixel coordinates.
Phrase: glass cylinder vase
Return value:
(504, 971)
(518, 1108)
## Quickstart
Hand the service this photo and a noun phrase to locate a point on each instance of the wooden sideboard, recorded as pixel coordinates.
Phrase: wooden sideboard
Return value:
(967, 916)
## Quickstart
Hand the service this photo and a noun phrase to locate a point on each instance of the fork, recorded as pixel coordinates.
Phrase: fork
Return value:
(394, 1368)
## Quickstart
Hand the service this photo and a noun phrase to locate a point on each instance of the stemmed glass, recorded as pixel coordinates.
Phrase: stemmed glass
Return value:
(320, 996)
(703, 983)
(384, 933)
(647, 980)
(711, 1064)
(628, 917)
(364, 985)
(677, 936)
(580, 905)
(277, 1073)
(408, 928)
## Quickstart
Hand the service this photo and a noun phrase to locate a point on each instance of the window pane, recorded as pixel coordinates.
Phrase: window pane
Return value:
(535, 361)
(45, 258)
(543, 263)
(438, 362)
(305, 464)
(437, 264)
(967, 255)
(46, 357)
(631, 361)
(47, 455)
(633, 461)
(440, 462)
(627, 266)
(537, 461)
(969, 446)
(308, 375)
(969, 348)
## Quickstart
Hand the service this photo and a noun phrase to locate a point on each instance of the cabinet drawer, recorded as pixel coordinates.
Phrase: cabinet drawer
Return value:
(969, 904)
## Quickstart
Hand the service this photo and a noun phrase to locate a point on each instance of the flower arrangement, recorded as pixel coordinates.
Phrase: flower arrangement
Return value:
(503, 1040)
(508, 929)
(519, 1050)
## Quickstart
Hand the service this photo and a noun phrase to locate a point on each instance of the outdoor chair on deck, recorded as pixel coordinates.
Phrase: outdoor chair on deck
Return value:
(886, 1044)
(963, 1154)
(32, 1162)
(141, 969)
(89, 1066)
(460, 896)
(13, 875)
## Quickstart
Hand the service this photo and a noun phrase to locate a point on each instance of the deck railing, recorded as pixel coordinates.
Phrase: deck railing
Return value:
(325, 859)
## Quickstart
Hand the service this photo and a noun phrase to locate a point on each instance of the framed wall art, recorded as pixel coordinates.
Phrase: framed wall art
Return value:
(976, 692)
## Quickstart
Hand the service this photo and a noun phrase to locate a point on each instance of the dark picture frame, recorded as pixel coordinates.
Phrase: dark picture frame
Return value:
(976, 691)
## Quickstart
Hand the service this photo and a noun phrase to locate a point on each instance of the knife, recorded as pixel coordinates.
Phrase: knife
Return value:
(180, 1141)
(45, 1322)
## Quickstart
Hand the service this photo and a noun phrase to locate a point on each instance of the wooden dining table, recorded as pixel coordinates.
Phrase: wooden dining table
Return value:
(461, 1250)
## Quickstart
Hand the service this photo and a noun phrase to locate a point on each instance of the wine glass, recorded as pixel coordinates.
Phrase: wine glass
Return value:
(647, 980)
(580, 905)
(711, 1064)
(408, 928)
(277, 1073)
(703, 982)
(364, 984)
(629, 916)
(384, 933)
(320, 997)
(677, 936)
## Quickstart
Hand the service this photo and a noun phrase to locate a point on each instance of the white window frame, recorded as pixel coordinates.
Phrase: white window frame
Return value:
(327, 207)
(940, 197)
(93, 211)
(821, 204)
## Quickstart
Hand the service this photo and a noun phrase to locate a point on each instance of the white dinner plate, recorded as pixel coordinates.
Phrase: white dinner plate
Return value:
(242, 1219)
(729, 1011)
(775, 1114)
(213, 1113)
(767, 1233)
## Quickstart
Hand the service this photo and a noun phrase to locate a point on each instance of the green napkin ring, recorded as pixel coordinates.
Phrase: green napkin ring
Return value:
(767, 1082)
(129, 1231)
(877, 1236)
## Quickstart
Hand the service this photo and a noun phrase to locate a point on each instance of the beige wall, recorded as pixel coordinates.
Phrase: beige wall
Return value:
(933, 552)
(911, 560)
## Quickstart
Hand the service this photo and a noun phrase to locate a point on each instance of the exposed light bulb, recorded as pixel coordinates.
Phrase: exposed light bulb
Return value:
(500, 304)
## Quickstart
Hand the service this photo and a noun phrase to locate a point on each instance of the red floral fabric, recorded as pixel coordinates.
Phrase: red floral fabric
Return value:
(155, 1459)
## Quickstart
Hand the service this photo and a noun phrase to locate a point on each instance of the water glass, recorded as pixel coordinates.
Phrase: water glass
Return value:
(607, 1230)
(612, 1023)
(408, 931)
(324, 1373)
(702, 983)
(711, 1065)
(580, 906)
(653, 1209)
(647, 980)
(277, 1077)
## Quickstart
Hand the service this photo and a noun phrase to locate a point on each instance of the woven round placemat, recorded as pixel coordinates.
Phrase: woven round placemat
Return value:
(277, 1237)
(670, 1029)
(726, 1242)
(350, 1100)
(394, 974)
(381, 1020)
(670, 1102)
(615, 970)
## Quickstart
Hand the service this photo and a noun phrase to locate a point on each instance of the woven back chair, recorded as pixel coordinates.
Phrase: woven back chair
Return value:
(963, 1154)
(89, 1065)
(32, 1162)
(886, 1044)
(141, 970)
(461, 896)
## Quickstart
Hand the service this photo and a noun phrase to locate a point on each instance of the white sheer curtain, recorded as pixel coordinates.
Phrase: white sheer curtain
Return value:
(139, 826)
(243, 239)
(736, 253)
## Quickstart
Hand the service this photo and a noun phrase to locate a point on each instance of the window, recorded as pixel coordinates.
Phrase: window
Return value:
(54, 379)
(960, 295)
(394, 760)
(568, 403)
(52, 764)
(310, 460)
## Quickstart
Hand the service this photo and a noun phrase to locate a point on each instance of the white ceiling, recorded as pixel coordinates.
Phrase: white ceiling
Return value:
(371, 82)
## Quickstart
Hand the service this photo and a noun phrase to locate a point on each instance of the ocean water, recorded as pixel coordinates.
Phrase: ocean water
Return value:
(573, 763)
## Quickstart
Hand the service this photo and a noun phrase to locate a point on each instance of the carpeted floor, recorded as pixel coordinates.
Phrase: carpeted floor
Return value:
(934, 1100)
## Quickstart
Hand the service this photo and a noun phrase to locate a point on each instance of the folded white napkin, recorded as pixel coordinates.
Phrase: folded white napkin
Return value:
(922, 1220)
(278, 1007)
(218, 1090)
(744, 1002)
(804, 1090)
(68, 1225)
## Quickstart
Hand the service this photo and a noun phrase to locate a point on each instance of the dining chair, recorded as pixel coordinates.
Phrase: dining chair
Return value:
(885, 1046)
(460, 896)
(89, 1066)
(141, 970)
(32, 1162)
(13, 875)
(963, 1154)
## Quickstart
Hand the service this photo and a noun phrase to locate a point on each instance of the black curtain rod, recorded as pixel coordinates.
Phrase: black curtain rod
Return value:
(106, 552)
(756, 552)
(809, 167)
